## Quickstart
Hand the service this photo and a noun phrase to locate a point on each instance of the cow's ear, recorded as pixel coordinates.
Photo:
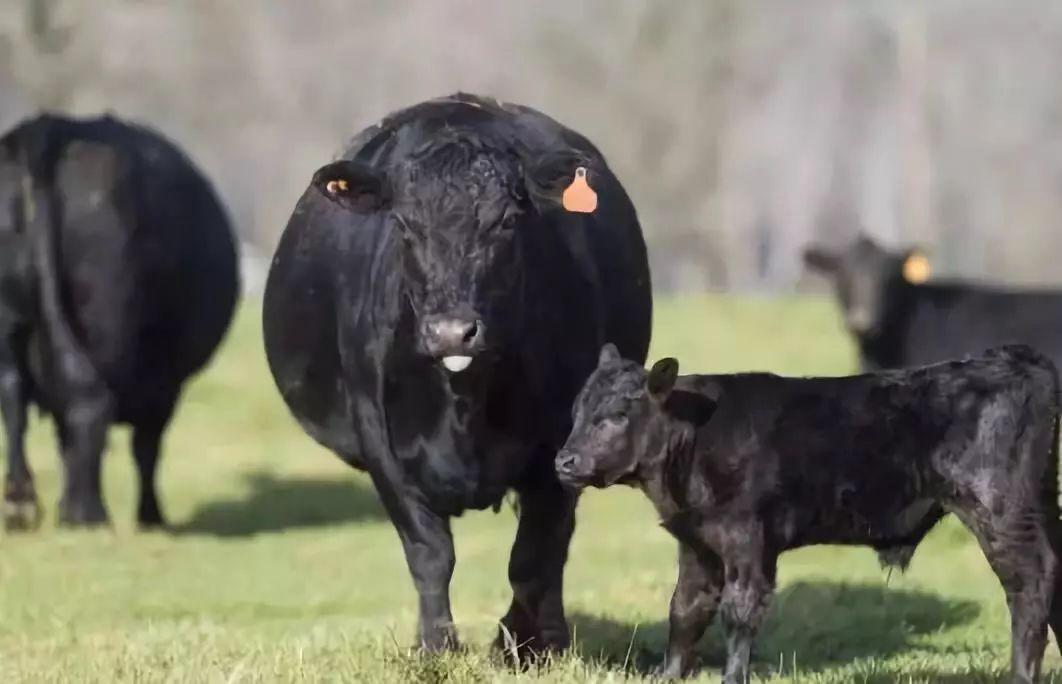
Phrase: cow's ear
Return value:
(609, 354)
(662, 378)
(819, 259)
(916, 268)
(353, 185)
(562, 179)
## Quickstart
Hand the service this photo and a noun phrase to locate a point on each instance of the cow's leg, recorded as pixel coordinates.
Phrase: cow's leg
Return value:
(748, 584)
(147, 441)
(83, 434)
(693, 605)
(21, 509)
(429, 549)
(1018, 550)
(535, 623)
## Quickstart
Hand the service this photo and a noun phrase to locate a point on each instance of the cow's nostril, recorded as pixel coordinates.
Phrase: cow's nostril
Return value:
(471, 333)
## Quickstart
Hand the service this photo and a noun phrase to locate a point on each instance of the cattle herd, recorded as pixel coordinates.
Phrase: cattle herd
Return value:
(461, 306)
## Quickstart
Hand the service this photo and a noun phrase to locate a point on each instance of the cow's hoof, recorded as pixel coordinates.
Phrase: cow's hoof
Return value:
(151, 523)
(83, 514)
(22, 514)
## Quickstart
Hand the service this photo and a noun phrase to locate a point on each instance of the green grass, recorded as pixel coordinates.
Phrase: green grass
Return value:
(284, 568)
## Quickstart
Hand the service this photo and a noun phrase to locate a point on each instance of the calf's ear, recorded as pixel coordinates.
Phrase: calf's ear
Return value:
(353, 185)
(662, 378)
(819, 259)
(609, 354)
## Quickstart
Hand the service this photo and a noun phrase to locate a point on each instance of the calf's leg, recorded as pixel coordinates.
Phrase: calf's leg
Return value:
(749, 582)
(1020, 554)
(693, 605)
(536, 622)
(21, 509)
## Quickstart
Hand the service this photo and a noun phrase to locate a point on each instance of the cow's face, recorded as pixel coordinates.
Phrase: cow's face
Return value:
(460, 209)
(618, 421)
(867, 278)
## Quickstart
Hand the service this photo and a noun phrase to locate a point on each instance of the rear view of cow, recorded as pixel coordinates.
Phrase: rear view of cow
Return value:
(117, 282)
(437, 298)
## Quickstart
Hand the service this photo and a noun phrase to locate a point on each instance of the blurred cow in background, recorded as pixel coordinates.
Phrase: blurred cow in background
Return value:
(899, 319)
(117, 282)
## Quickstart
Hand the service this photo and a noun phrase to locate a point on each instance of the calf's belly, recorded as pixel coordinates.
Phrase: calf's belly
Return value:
(898, 524)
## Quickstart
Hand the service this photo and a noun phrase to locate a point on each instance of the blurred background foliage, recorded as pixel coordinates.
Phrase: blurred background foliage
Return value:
(743, 128)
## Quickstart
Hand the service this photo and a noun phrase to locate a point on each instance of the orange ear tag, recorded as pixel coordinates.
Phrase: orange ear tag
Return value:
(579, 197)
(916, 269)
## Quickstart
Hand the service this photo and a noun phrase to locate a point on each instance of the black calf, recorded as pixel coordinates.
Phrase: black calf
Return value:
(743, 467)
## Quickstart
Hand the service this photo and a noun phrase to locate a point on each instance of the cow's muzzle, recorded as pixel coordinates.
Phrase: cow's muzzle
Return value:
(454, 340)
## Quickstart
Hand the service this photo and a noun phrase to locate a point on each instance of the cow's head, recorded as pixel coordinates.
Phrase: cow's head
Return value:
(868, 279)
(619, 421)
(460, 207)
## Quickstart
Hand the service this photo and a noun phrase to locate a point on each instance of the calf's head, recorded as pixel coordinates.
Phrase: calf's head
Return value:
(868, 280)
(619, 421)
(462, 208)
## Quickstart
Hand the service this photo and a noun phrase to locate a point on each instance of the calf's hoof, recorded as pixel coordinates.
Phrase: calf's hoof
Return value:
(22, 512)
(670, 669)
(82, 514)
(439, 639)
(526, 646)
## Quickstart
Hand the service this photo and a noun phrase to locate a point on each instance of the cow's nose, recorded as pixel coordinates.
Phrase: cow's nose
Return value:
(446, 336)
(860, 320)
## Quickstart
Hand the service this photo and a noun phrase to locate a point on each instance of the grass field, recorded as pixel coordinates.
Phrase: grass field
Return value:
(282, 567)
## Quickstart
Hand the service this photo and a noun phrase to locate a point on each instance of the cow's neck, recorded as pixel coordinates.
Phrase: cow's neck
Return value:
(886, 348)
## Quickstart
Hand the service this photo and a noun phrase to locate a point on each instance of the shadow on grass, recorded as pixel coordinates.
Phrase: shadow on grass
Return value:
(814, 624)
(276, 504)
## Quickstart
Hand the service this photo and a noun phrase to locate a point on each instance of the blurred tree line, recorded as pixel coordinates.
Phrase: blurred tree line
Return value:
(743, 128)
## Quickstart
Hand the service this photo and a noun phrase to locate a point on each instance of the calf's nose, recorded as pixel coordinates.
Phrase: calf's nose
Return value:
(566, 461)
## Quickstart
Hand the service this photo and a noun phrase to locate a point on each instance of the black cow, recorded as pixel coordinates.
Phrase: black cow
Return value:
(117, 281)
(899, 320)
(743, 467)
(430, 314)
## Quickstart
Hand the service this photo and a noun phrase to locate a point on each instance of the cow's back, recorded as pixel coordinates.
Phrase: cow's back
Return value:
(952, 320)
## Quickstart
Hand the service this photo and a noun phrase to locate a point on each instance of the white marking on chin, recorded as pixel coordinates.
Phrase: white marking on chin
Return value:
(456, 364)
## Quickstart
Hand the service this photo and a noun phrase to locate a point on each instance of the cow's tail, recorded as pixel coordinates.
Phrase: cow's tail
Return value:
(41, 214)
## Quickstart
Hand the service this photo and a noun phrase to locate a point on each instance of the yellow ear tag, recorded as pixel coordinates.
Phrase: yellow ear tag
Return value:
(336, 186)
(916, 269)
(579, 197)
